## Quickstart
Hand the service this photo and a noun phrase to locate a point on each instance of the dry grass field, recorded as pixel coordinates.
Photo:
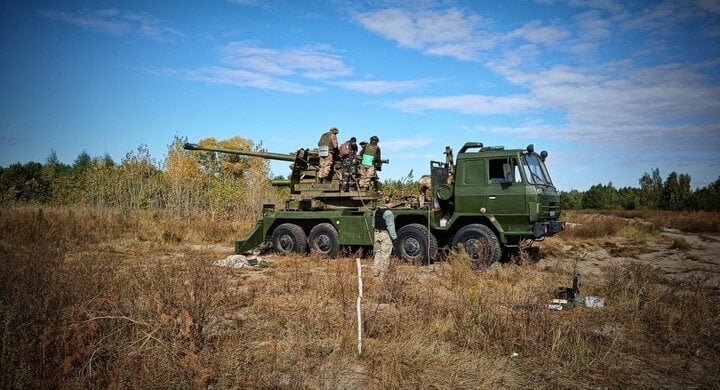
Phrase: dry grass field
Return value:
(102, 299)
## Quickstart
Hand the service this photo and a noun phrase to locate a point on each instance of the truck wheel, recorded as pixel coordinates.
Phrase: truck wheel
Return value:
(480, 243)
(324, 240)
(289, 238)
(415, 244)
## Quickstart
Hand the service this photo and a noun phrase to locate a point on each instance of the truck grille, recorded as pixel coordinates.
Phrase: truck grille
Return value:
(550, 210)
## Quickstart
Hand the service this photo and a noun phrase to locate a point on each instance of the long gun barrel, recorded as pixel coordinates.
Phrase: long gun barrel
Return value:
(265, 155)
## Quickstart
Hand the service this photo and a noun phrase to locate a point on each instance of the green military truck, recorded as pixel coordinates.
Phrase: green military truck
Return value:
(487, 201)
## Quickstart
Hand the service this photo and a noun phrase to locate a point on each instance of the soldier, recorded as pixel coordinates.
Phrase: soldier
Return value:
(328, 149)
(370, 156)
(385, 237)
(348, 153)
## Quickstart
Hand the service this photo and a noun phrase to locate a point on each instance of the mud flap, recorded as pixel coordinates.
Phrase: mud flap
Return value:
(253, 239)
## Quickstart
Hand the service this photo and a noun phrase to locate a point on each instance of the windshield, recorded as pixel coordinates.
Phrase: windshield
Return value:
(535, 170)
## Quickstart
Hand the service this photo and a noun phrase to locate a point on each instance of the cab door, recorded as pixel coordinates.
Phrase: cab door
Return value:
(506, 193)
(470, 186)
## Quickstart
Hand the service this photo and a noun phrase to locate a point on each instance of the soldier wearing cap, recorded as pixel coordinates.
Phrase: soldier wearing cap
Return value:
(370, 156)
(328, 146)
(384, 239)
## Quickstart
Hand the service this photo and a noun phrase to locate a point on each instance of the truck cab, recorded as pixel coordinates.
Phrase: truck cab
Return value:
(493, 198)
(511, 186)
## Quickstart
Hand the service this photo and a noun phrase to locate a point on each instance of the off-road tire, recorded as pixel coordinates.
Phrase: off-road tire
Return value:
(480, 243)
(289, 238)
(416, 245)
(323, 239)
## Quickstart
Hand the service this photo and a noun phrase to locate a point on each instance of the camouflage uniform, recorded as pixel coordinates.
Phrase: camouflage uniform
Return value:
(348, 153)
(329, 140)
(385, 236)
(367, 172)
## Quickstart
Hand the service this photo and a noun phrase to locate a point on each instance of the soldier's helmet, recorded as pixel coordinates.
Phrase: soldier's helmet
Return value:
(374, 139)
(334, 130)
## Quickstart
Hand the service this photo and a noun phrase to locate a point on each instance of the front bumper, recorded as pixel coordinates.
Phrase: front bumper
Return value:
(547, 228)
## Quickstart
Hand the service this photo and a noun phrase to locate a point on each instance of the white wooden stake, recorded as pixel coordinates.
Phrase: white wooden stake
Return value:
(359, 305)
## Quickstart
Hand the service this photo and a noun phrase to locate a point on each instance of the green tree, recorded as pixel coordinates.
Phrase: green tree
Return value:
(571, 200)
(685, 190)
(630, 198)
(226, 164)
(59, 177)
(651, 188)
(82, 163)
(601, 197)
(676, 192)
(24, 183)
(706, 198)
(105, 160)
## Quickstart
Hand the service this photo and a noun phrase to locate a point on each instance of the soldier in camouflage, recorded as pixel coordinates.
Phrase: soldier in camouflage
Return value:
(328, 141)
(348, 153)
(385, 237)
(370, 156)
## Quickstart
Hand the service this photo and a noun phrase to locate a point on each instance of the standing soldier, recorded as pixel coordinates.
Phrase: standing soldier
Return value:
(348, 153)
(328, 145)
(385, 236)
(370, 155)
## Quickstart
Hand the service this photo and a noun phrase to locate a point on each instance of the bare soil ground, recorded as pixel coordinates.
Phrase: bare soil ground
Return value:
(679, 255)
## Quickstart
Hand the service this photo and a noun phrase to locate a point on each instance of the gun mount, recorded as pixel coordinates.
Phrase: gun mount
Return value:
(307, 192)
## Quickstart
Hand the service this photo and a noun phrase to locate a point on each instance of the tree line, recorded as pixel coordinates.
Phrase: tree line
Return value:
(189, 183)
(186, 183)
(673, 194)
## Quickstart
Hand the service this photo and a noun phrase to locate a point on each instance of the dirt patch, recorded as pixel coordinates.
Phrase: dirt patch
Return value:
(689, 256)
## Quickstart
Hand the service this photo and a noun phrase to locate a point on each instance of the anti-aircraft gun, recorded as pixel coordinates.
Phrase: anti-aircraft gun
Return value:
(487, 200)
(307, 192)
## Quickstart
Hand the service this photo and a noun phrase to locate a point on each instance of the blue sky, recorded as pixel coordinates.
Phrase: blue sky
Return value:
(610, 89)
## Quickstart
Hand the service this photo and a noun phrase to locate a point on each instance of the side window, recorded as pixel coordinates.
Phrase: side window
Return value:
(504, 170)
(495, 169)
(473, 172)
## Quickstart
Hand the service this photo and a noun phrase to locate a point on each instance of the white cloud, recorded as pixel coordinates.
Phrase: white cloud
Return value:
(592, 26)
(610, 6)
(406, 144)
(635, 96)
(118, 23)
(470, 104)
(376, 87)
(664, 17)
(536, 32)
(644, 108)
(641, 108)
(244, 78)
(447, 33)
(313, 62)
(452, 33)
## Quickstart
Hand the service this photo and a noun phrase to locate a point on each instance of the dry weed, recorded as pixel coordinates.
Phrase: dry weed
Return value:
(687, 221)
(78, 312)
(592, 225)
